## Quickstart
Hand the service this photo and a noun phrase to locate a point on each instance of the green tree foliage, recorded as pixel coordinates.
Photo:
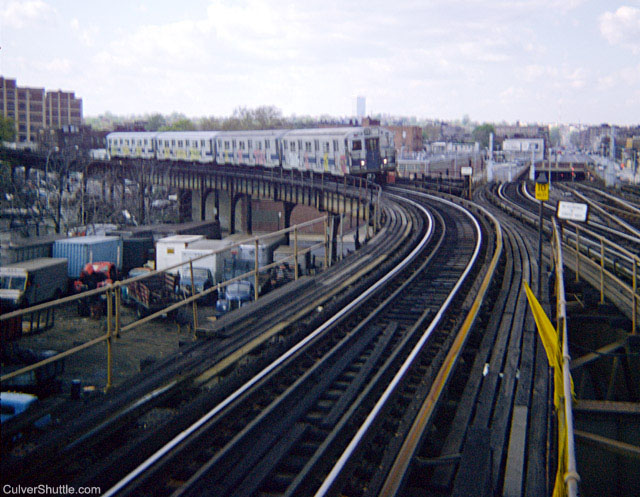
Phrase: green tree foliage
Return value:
(182, 124)
(7, 129)
(155, 122)
(481, 134)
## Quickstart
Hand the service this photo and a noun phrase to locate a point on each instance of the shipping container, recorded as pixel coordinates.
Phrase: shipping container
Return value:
(83, 249)
(24, 249)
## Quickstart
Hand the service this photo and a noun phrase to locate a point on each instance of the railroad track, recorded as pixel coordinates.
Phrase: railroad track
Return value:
(517, 198)
(282, 432)
(148, 410)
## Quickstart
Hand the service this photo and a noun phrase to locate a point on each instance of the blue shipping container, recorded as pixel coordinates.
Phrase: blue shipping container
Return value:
(83, 249)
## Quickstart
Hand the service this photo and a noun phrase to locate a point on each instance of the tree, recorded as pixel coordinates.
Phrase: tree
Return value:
(155, 122)
(7, 129)
(481, 134)
(183, 124)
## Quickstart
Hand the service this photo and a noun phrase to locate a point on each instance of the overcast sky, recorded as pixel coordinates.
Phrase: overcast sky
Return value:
(573, 61)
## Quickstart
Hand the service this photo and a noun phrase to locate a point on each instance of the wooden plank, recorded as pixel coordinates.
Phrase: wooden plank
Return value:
(606, 407)
(514, 471)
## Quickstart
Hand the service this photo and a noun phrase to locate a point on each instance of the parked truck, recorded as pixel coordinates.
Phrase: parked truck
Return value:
(94, 275)
(27, 283)
(235, 295)
(154, 293)
(207, 271)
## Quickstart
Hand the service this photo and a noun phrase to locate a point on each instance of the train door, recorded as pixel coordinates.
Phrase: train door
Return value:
(372, 149)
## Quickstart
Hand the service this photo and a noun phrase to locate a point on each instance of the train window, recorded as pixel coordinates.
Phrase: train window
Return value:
(316, 144)
(180, 143)
(284, 144)
(325, 147)
(226, 145)
(356, 145)
(233, 144)
(293, 146)
(173, 143)
(259, 143)
(249, 145)
(336, 145)
(371, 143)
(300, 145)
(307, 146)
(241, 145)
(201, 143)
(267, 145)
(220, 144)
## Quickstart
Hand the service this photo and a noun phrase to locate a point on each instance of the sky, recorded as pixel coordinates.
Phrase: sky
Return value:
(546, 61)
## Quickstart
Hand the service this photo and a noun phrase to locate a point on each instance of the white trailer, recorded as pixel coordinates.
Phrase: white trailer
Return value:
(169, 250)
(215, 249)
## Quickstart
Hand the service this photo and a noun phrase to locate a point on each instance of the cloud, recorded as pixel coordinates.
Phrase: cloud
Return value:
(555, 76)
(86, 34)
(20, 13)
(622, 27)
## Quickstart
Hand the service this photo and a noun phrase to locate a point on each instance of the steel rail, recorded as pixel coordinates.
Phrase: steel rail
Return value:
(332, 478)
(181, 437)
(402, 461)
(633, 239)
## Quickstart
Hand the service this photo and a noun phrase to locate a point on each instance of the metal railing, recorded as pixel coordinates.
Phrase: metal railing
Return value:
(601, 263)
(571, 477)
(114, 304)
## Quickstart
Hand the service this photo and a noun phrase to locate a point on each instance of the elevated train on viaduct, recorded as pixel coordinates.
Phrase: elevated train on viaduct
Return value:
(337, 151)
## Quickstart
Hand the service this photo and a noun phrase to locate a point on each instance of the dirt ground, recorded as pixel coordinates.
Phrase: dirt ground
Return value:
(135, 348)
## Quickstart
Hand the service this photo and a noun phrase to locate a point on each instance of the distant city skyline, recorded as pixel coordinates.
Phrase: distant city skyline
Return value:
(547, 61)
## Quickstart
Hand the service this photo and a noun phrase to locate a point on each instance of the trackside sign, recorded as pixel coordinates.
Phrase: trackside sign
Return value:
(572, 211)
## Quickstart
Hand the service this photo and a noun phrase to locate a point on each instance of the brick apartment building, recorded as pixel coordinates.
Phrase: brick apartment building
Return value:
(33, 109)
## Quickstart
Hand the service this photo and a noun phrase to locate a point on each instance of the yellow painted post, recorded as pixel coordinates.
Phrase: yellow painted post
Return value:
(634, 299)
(295, 253)
(326, 244)
(118, 296)
(368, 217)
(255, 290)
(194, 307)
(601, 270)
(577, 254)
(109, 351)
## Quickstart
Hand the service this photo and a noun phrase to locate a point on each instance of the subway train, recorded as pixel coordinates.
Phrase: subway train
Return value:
(337, 151)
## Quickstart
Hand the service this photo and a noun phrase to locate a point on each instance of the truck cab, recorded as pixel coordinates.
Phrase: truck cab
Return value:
(235, 296)
(202, 280)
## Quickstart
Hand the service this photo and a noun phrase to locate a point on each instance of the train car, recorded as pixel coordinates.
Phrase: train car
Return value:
(249, 148)
(191, 146)
(338, 151)
(131, 144)
(387, 150)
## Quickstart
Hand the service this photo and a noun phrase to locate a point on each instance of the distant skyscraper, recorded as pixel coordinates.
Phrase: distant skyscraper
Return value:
(361, 106)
